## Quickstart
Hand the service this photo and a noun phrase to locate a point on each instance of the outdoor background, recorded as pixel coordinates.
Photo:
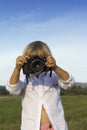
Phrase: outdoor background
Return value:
(62, 24)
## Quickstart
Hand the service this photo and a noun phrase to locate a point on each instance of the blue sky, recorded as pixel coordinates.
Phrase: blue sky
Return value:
(61, 24)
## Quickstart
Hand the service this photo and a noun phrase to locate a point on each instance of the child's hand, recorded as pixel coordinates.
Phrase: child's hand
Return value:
(51, 62)
(20, 61)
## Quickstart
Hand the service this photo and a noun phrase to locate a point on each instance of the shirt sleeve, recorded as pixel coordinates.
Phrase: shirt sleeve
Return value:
(16, 89)
(68, 83)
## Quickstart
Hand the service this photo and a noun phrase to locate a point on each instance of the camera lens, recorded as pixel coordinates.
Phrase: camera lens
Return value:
(37, 65)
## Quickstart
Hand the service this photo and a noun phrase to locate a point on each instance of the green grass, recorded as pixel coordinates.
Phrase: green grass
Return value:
(76, 111)
(75, 108)
(10, 113)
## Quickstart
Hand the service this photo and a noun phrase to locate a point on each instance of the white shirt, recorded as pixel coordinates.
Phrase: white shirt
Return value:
(44, 90)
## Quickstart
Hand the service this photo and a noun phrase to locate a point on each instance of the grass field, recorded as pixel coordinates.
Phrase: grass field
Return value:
(75, 112)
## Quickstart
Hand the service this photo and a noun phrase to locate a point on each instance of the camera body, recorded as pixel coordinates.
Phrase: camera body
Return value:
(34, 65)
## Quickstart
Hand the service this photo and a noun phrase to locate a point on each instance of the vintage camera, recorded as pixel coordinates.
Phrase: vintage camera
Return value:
(34, 65)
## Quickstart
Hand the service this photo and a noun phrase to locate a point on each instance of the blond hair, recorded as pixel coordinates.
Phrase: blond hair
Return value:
(37, 48)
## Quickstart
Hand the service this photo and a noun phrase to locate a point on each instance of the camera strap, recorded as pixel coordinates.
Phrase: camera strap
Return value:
(28, 76)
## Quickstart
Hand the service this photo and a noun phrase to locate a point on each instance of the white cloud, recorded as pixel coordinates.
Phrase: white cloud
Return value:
(7, 64)
(66, 37)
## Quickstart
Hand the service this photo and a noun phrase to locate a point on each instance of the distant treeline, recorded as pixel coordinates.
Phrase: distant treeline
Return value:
(3, 91)
(75, 90)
